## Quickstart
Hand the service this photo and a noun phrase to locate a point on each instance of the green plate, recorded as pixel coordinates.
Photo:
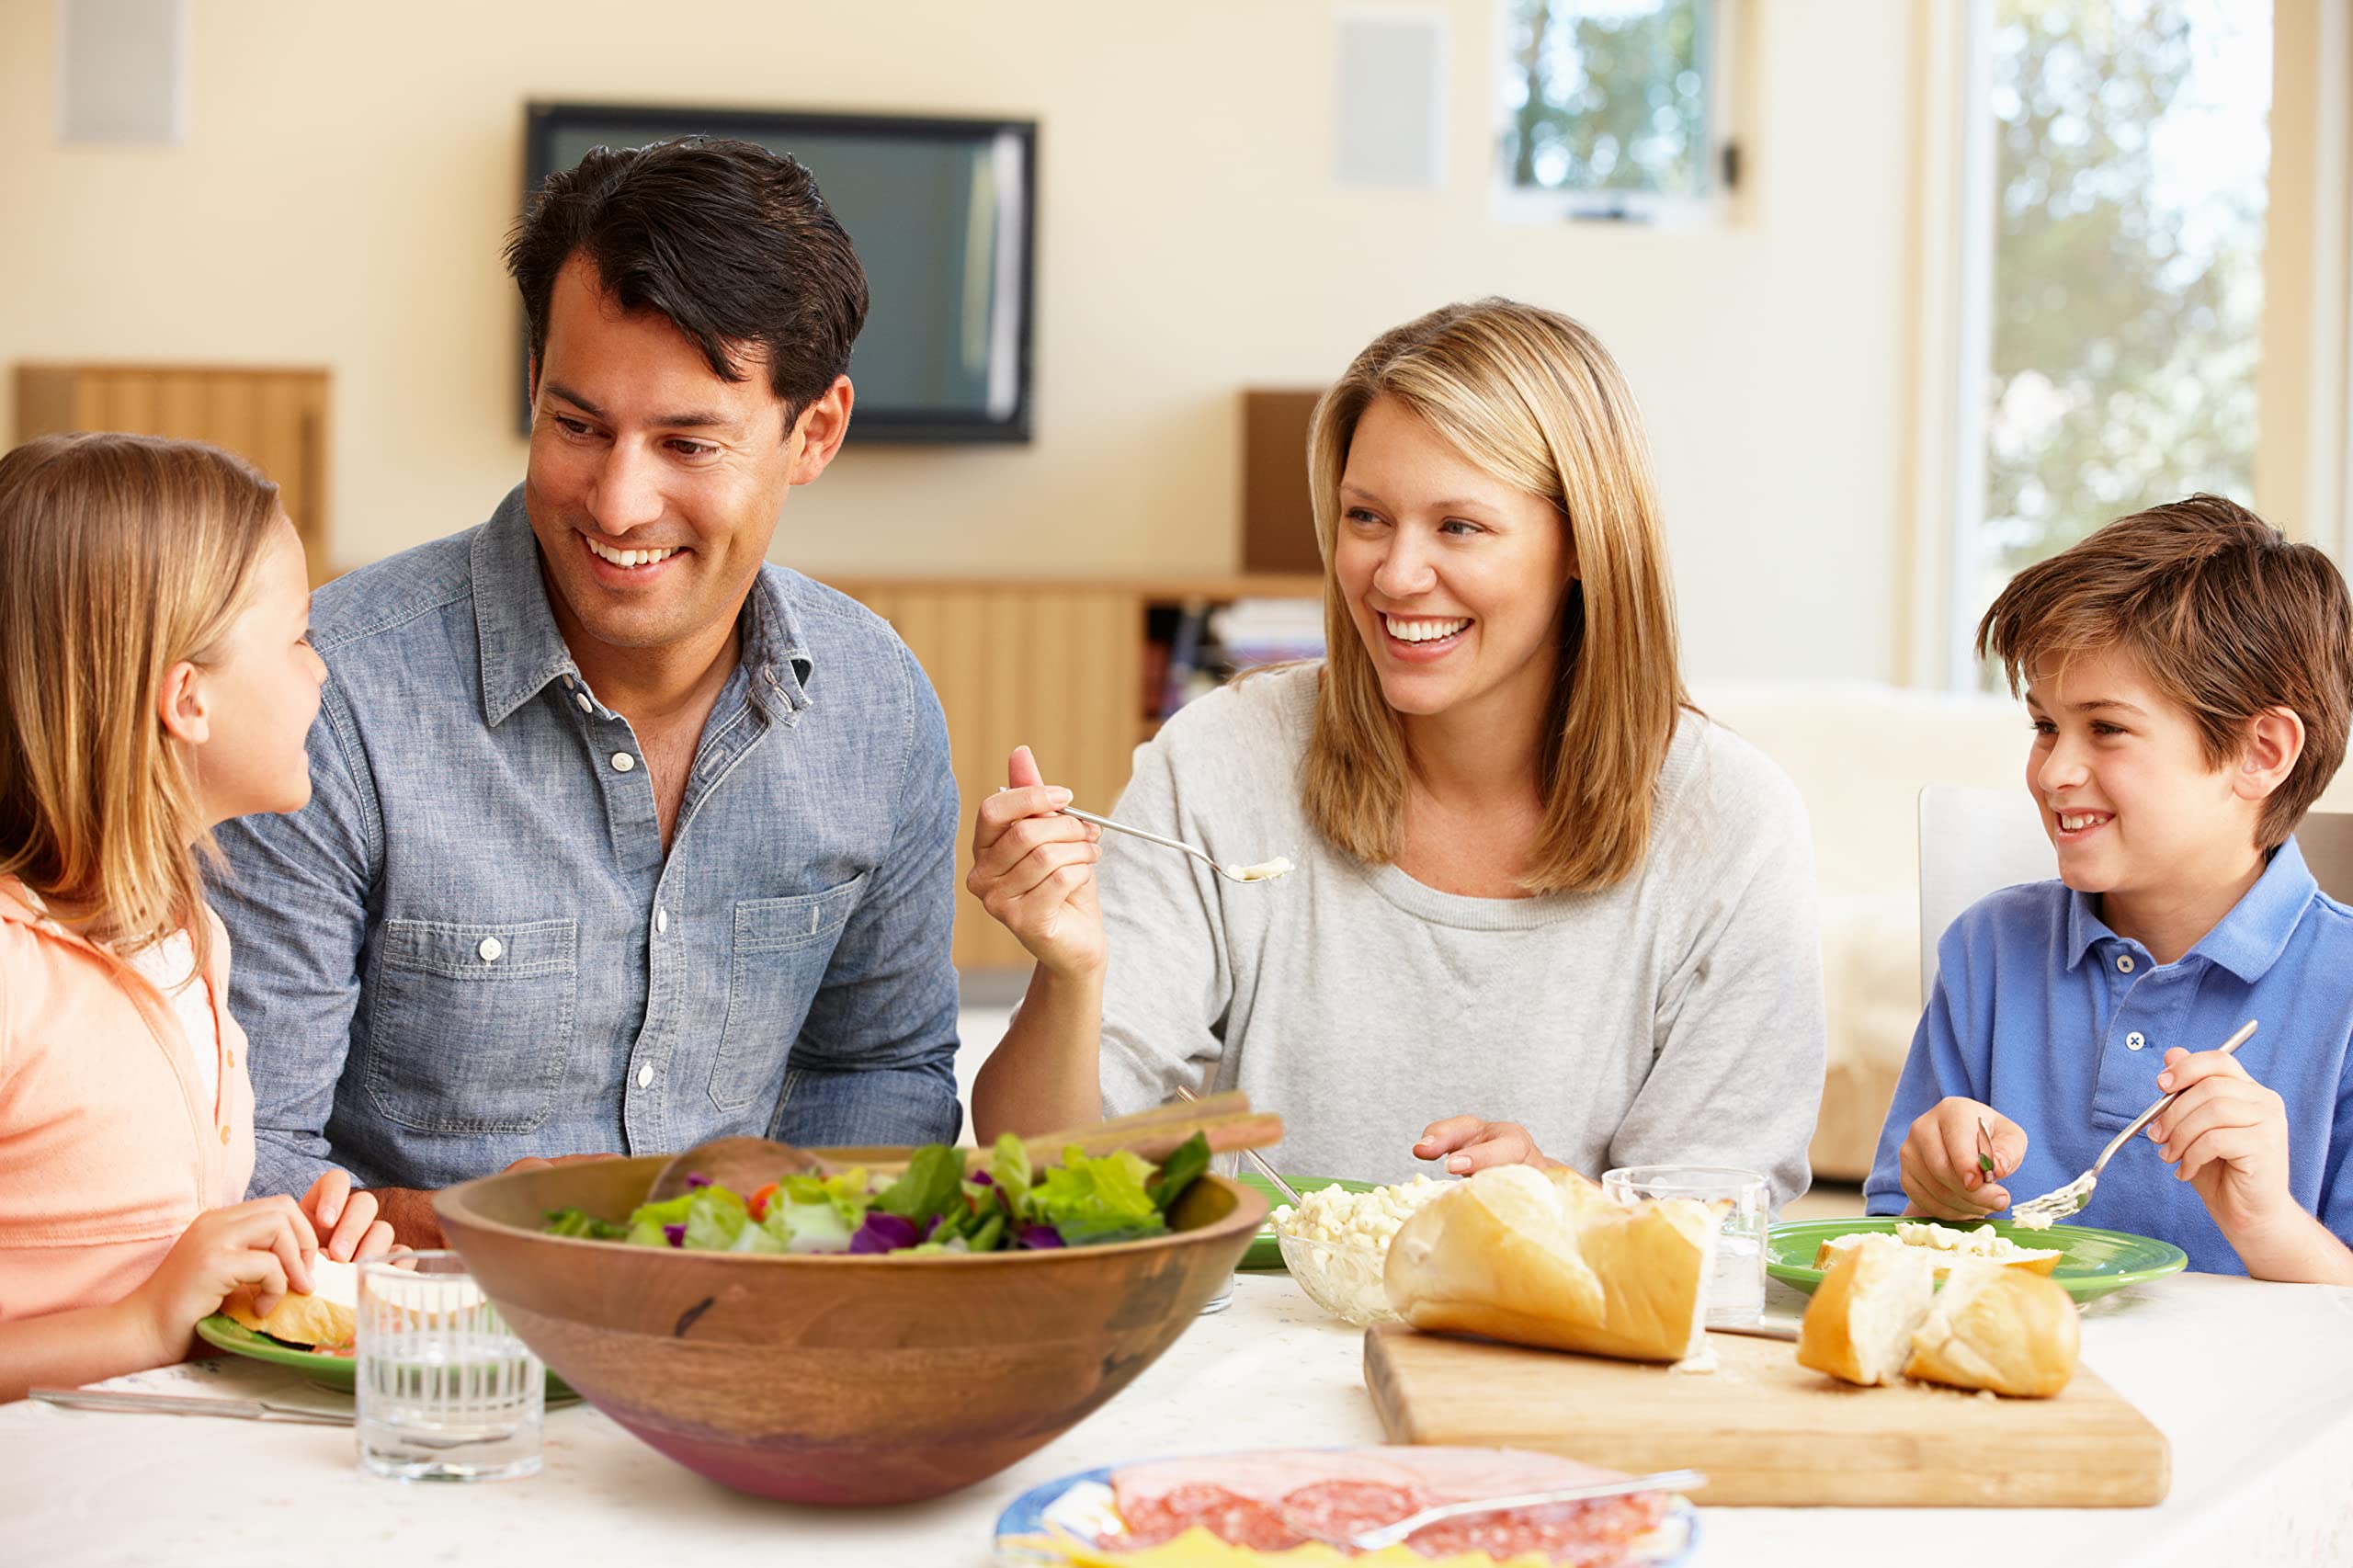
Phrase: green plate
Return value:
(1266, 1252)
(2096, 1262)
(327, 1372)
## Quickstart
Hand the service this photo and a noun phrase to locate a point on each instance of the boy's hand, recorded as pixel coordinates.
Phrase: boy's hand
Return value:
(1468, 1145)
(1940, 1160)
(267, 1243)
(2228, 1134)
(345, 1221)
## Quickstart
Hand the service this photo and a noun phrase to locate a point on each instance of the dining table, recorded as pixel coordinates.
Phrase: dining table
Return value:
(2252, 1384)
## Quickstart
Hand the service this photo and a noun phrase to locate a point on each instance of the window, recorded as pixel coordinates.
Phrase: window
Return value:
(1611, 108)
(2118, 329)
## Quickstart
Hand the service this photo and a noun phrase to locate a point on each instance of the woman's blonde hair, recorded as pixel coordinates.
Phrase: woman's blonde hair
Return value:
(120, 556)
(1533, 399)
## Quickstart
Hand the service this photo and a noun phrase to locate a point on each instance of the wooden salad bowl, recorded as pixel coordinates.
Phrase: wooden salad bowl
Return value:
(849, 1380)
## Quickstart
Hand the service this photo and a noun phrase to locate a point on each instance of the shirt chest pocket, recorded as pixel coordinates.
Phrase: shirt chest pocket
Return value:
(470, 1026)
(782, 949)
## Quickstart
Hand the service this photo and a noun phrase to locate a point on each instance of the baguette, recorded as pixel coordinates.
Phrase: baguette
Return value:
(1547, 1259)
(328, 1316)
(1859, 1324)
(2001, 1329)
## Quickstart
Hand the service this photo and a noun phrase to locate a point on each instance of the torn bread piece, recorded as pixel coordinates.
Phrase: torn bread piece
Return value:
(326, 1319)
(2002, 1329)
(1859, 1324)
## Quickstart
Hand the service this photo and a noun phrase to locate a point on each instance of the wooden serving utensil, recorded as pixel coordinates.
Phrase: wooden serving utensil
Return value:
(744, 1164)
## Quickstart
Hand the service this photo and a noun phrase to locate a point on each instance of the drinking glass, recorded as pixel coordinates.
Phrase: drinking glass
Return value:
(1225, 1165)
(1736, 1283)
(445, 1389)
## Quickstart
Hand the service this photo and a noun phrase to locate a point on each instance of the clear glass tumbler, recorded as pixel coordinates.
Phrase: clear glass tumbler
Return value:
(445, 1389)
(1736, 1285)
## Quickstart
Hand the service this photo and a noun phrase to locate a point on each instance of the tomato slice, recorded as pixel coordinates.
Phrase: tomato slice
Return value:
(757, 1204)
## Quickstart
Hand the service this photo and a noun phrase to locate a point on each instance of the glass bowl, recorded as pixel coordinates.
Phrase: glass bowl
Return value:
(1344, 1279)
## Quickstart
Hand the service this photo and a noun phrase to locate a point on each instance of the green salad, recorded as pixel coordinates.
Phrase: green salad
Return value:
(932, 1207)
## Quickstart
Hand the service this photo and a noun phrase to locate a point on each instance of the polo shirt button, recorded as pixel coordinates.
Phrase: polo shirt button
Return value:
(225, 1137)
(623, 762)
(582, 698)
(2135, 1040)
(645, 1075)
(491, 949)
(661, 920)
(2124, 962)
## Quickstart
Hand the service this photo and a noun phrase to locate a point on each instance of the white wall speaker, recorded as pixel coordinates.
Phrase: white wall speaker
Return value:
(122, 71)
(1391, 97)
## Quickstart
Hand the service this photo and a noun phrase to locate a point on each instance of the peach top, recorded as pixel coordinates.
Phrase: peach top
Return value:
(111, 1140)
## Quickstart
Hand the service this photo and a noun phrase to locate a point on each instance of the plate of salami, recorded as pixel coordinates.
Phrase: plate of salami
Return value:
(1271, 1506)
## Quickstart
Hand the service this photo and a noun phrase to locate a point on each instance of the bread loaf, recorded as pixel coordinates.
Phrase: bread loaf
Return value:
(1547, 1258)
(1858, 1325)
(2001, 1329)
(328, 1316)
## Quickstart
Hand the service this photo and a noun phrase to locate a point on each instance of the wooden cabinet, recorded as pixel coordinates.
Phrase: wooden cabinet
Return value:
(1058, 667)
(277, 419)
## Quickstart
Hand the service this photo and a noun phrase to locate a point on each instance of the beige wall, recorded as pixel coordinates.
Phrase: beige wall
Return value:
(352, 171)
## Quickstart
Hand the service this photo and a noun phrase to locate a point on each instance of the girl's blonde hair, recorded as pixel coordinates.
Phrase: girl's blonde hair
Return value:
(120, 556)
(1533, 399)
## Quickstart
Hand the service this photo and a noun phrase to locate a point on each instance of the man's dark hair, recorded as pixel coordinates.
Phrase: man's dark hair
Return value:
(730, 242)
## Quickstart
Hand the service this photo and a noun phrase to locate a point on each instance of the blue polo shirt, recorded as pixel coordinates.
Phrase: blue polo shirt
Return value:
(2044, 1012)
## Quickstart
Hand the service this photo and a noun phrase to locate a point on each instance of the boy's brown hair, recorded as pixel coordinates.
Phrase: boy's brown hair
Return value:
(2228, 618)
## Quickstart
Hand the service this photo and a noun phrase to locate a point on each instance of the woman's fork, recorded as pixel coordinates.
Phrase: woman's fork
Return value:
(1264, 871)
(2037, 1213)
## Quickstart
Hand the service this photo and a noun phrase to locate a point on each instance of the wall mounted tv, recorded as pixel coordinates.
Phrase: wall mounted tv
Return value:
(942, 212)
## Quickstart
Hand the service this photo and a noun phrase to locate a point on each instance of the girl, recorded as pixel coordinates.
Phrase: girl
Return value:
(155, 681)
(1531, 875)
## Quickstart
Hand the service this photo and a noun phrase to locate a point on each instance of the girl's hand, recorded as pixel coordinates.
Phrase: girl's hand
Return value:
(1033, 871)
(1939, 1162)
(267, 1243)
(1470, 1144)
(345, 1221)
(2228, 1135)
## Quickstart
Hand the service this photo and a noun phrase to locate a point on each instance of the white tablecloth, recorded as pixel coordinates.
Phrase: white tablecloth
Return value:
(2252, 1384)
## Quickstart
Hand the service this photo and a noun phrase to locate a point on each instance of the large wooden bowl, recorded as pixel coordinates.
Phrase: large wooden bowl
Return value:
(836, 1380)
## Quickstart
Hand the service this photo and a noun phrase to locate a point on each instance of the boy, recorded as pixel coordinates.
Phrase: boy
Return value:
(2188, 673)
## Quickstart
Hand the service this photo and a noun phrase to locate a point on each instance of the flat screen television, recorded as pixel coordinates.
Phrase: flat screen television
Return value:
(942, 213)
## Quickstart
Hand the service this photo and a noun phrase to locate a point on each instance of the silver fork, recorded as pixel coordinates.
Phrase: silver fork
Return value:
(1390, 1535)
(1264, 871)
(2036, 1212)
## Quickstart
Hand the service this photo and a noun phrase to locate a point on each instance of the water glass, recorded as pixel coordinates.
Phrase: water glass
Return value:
(1227, 1166)
(1736, 1284)
(445, 1389)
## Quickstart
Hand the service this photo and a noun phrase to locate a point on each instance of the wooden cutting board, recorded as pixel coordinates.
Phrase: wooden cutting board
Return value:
(1768, 1432)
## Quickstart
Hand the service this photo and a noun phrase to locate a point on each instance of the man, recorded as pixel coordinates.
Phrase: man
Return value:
(619, 838)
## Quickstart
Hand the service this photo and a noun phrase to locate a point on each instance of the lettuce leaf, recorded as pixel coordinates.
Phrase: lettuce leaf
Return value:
(1009, 1170)
(715, 1219)
(575, 1222)
(1183, 1167)
(1089, 1201)
(933, 1182)
(645, 1224)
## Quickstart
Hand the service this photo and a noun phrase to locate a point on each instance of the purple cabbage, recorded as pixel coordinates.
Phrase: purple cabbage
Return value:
(884, 1232)
(982, 1178)
(677, 1234)
(695, 1180)
(1038, 1238)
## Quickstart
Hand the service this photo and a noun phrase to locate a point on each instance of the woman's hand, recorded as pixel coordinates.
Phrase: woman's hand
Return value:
(1033, 871)
(267, 1243)
(1469, 1144)
(2227, 1136)
(1940, 1160)
(345, 1221)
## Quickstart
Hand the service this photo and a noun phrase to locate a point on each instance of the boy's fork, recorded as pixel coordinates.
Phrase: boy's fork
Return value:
(2052, 1207)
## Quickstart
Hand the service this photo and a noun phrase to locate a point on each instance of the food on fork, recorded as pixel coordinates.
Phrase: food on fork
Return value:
(1945, 1244)
(1547, 1258)
(326, 1319)
(1990, 1328)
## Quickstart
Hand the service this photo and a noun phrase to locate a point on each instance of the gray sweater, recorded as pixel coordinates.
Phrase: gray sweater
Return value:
(1677, 1017)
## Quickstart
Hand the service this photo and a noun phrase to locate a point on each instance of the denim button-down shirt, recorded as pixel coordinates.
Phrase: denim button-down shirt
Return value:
(470, 946)
(2047, 1015)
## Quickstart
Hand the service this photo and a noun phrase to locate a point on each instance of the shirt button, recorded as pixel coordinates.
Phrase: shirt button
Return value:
(661, 920)
(2135, 1040)
(567, 683)
(645, 1075)
(225, 1137)
(623, 762)
(582, 698)
(2124, 962)
(490, 950)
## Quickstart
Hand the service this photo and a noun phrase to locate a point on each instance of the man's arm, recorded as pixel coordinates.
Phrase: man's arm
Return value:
(876, 1061)
(293, 892)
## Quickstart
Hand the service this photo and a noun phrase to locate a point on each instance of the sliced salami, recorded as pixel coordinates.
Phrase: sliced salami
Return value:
(1227, 1514)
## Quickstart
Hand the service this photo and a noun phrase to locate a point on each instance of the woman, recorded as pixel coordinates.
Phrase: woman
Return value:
(1531, 879)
